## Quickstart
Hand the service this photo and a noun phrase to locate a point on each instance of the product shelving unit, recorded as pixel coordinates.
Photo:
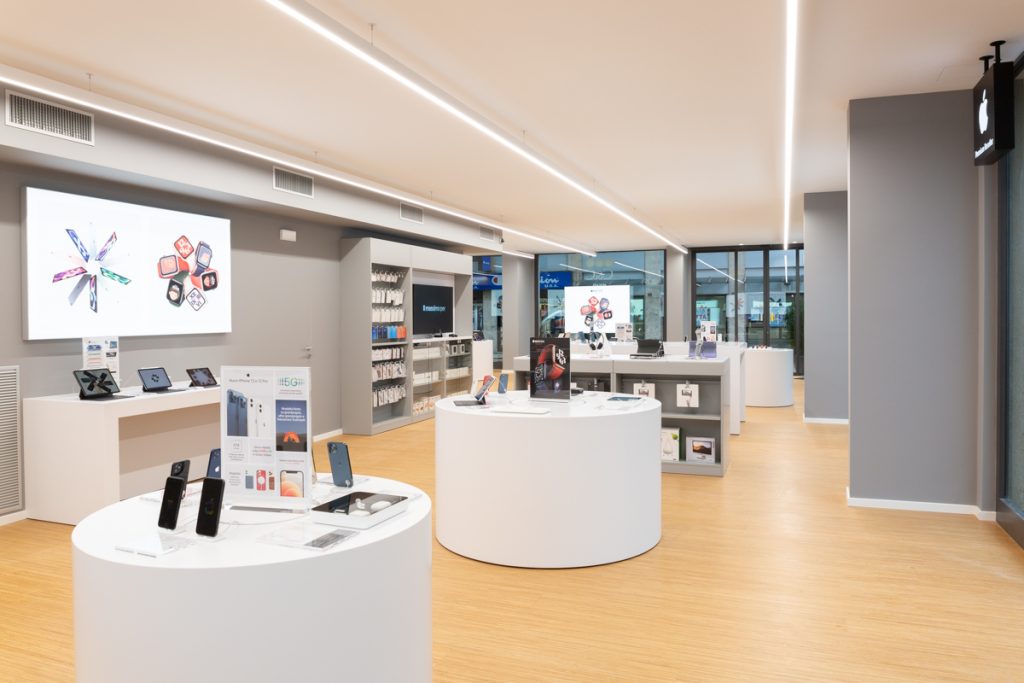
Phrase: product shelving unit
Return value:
(441, 368)
(619, 373)
(382, 363)
(709, 420)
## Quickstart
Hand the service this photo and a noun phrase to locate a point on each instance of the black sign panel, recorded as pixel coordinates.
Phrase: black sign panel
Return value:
(549, 368)
(993, 114)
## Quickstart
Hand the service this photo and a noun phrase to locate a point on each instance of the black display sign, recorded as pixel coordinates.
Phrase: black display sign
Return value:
(993, 114)
(549, 368)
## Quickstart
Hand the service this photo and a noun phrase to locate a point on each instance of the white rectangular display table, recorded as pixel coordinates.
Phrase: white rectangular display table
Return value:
(81, 456)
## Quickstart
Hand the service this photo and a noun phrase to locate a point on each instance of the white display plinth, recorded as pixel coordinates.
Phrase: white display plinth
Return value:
(81, 456)
(577, 486)
(236, 609)
(769, 377)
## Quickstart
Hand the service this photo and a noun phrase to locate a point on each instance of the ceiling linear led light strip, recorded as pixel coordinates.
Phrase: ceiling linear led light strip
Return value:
(722, 272)
(326, 27)
(792, 24)
(291, 165)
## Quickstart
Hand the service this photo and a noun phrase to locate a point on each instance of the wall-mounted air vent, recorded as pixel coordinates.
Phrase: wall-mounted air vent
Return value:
(411, 213)
(489, 234)
(12, 496)
(295, 183)
(40, 116)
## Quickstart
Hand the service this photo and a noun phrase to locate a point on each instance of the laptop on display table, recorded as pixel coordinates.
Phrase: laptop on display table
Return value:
(648, 348)
(156, 380)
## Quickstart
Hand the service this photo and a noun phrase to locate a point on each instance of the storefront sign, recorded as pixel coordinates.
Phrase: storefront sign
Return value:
(993, 114)
(558, 279)
(482, 282)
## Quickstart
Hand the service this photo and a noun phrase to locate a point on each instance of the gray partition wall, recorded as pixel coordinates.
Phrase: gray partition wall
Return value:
(913, 211)
(826, 320)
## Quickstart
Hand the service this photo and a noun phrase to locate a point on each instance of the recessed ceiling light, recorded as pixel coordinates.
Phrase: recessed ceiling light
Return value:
(330, 29)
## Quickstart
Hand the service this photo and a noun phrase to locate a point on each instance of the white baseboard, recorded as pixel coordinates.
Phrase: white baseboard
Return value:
(826, 420)
(12, 517)
(920, 506)
(328, 435)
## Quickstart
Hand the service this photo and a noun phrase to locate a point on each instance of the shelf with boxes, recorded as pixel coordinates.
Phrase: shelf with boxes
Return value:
(406, 375)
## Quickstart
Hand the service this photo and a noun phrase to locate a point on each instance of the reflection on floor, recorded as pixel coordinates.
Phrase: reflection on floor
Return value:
(764, 574)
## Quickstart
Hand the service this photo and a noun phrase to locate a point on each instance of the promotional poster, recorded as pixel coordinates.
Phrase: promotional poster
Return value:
(266, 451)
(101, 352)
(600, 307)
(549, 368)
(95, 266)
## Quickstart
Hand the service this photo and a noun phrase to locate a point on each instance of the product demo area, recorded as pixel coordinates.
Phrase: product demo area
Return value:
(438, 341)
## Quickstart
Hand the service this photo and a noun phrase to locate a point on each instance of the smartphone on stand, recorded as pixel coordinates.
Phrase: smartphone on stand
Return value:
(210, 502)
(341, 465)
(174, 491)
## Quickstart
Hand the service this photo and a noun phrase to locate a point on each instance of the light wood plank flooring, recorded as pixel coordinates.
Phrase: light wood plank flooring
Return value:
(763, 575)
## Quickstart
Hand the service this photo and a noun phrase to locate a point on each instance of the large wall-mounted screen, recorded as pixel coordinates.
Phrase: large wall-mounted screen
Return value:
(596, 307)
(100, 267)
(432, 310)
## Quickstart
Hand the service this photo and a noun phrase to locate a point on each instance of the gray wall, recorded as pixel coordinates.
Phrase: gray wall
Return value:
(518, 288)
(826, 321)
(285, 297)
(913, 194)
(677, 296)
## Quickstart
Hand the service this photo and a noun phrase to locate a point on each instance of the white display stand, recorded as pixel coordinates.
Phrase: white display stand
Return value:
(81, 456)
(577, 486)
(769, 377)
(236, 609)
(736, 352)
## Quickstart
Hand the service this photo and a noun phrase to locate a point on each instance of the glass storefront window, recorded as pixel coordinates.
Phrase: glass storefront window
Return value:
(487, 317)
(643, 271)
(755, 294)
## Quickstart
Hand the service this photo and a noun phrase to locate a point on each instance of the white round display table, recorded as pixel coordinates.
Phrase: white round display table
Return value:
(576, 486)
(235, 608)
(769, 377)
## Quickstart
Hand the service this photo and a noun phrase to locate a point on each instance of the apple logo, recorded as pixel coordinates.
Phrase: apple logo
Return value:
(983, 112)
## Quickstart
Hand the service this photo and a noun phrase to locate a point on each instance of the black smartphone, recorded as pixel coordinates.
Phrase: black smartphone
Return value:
(210, 501)
(174, 491)
(180, 470)
(341, 465)
(213, 464)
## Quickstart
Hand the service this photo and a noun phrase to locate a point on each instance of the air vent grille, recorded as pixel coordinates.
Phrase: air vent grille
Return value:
(410, 213)
(295, 183)
(488, 234)
(40, 116)
(11, 492)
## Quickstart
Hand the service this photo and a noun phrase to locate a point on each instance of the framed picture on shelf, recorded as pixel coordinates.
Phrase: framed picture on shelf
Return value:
(643, 389)
(670, 444)
(700, 449)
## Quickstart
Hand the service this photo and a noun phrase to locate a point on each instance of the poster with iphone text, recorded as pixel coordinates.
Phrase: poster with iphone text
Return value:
(266, 450)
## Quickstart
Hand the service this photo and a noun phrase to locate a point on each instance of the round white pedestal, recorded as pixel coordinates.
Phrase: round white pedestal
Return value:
(577, 486)
(237, 609)
(769, 377)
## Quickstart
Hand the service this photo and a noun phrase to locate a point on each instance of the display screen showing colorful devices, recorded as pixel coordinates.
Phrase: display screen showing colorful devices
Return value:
(75, 243)
(201, 377)
(96, 384)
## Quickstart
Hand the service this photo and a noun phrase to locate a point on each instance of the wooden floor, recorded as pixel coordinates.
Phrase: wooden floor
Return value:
(762, 575)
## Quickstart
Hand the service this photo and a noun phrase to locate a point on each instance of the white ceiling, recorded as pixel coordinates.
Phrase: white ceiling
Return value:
(674, 107)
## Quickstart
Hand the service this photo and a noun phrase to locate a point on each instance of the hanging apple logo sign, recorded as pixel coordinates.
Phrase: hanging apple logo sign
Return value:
(983, 112)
